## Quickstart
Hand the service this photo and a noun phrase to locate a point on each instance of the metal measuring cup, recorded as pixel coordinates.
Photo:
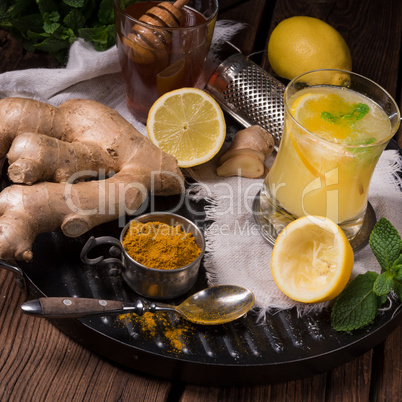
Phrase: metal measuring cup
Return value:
(148, 281)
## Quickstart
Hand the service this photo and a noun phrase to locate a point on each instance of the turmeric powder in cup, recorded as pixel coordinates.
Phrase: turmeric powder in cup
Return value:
(162, 254)
(159, 245)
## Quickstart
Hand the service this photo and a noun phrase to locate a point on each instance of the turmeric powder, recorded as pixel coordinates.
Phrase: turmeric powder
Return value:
(159, 245)
(176, 333)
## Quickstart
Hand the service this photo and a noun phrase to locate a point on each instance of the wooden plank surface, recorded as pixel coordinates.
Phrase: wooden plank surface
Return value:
(39, 363)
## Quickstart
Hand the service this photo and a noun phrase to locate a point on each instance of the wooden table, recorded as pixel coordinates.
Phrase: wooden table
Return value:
(38, 362)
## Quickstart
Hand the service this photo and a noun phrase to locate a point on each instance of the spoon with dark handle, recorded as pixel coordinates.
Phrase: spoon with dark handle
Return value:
(211, 306)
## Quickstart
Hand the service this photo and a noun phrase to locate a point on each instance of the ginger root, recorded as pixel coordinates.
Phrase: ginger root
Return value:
(53, 151)
(247, 153)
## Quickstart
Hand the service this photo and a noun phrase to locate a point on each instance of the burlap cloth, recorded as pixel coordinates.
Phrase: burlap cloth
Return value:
(236, 251)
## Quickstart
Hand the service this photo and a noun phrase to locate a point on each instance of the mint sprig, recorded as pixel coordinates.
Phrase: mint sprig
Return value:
(53, 25)
(358, 111)
(358, 304)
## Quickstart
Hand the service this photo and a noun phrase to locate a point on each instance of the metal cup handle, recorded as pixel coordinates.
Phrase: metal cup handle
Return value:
(18, 273)
(115, 251)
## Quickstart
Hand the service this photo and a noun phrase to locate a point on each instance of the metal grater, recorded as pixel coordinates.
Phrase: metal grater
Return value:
(249, 94)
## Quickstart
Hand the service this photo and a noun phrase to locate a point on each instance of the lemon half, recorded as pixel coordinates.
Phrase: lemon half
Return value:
(188, 124)
(312, 260)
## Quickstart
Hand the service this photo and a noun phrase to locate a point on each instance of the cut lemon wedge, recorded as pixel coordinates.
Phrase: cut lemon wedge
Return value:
(308, 109)
(188, 124)
(169, 78)
(315, 154)
(312, 260)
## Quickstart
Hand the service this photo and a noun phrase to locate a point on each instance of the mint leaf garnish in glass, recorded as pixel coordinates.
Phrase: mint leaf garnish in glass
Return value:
(358, 304)
(357, 113)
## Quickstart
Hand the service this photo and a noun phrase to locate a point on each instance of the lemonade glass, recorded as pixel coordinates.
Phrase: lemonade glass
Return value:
(336, 125)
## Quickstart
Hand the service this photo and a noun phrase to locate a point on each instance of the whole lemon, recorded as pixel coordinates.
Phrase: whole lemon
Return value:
(301, 44)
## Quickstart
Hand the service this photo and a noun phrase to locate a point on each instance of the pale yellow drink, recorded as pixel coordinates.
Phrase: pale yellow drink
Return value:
(331, 142)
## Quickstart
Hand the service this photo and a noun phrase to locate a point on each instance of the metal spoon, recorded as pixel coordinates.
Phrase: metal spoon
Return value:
(211, 306)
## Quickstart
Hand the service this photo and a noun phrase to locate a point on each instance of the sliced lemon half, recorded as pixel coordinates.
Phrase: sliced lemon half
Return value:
(188, 124)
(312, 260)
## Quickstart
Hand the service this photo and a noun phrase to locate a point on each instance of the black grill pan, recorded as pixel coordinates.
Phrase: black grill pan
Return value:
(285, 347)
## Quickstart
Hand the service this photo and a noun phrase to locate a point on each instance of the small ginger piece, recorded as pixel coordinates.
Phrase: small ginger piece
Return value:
(247, 153)
(246, 165)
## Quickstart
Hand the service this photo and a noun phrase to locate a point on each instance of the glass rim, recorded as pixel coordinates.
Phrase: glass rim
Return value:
(144, 24)
(377, 143)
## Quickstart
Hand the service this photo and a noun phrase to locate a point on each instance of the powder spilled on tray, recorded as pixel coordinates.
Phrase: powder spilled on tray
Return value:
(162, 325)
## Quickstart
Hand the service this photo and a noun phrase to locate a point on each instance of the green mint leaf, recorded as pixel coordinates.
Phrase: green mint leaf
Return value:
(66, 34)
(106, 13)
(382, 285)
(101, 37)
(327, 116)
(74, 20)
(17, 8)
(357, 305)
(52, 45)
(50, 27)
(382, 299)
(33, 22)
(386, 243)
(397, 286)
(46, 6)
(35, 37)
(397, 272)
(397, 263)
(51, 23)
(361, 152)
(358, 141)
(75, 3)
(53, 16)
(359, 111)
(90, 11)
(29, 45)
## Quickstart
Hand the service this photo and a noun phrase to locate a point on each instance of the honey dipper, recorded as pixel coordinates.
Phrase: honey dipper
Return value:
(147, 43)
